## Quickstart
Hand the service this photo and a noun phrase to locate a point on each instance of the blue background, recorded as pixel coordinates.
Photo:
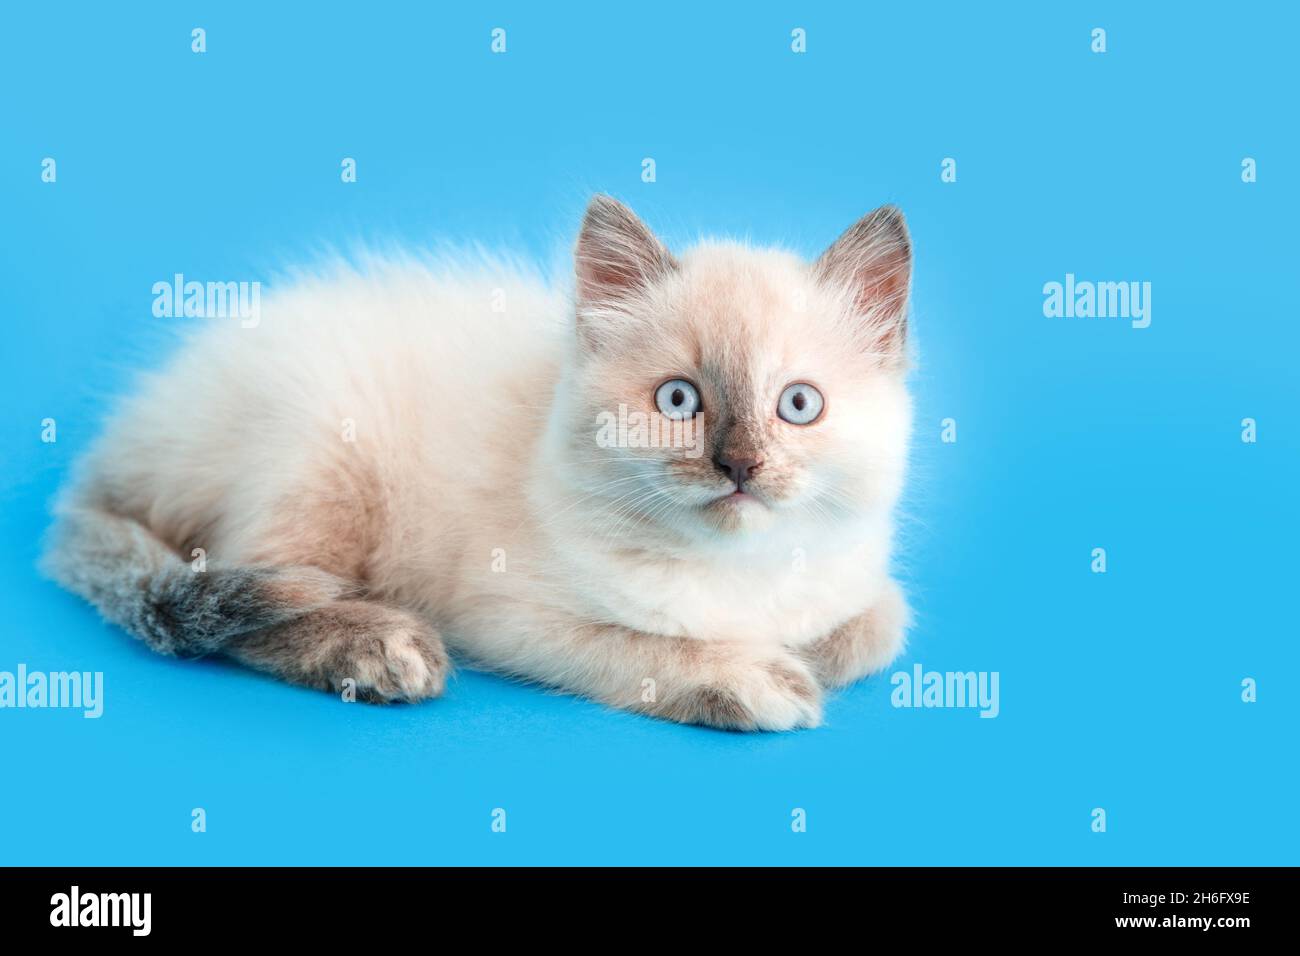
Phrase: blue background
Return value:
(1119, 690)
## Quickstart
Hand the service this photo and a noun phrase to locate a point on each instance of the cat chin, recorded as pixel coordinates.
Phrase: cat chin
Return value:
(737, 514)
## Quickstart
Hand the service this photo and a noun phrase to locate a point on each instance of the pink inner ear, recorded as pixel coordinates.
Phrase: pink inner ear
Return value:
(602, 278)
(617, 253)
(882, 302)
(874, 258)
(882, 286)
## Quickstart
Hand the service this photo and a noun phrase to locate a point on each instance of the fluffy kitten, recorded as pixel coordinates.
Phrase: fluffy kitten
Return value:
(390, 464)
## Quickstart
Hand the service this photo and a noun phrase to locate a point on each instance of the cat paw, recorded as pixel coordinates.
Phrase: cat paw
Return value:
(363, 650)
(407, 663)
(776, 692)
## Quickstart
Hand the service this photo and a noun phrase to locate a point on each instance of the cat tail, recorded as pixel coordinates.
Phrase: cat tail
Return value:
(181, 609)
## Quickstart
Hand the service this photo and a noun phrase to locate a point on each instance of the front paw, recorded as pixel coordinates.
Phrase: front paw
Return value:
(406, 663)
(378, 653)
(750, 691)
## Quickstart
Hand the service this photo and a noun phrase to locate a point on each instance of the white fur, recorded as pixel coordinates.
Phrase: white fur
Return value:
(465, 417)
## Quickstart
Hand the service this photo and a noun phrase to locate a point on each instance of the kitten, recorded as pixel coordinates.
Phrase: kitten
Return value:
(390, 465)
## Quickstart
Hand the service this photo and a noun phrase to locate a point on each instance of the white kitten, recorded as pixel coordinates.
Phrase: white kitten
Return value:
(387, 463)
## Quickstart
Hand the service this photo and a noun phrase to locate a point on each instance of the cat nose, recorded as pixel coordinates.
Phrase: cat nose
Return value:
(739, 470)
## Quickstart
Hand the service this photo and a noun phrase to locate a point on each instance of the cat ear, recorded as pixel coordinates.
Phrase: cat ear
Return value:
(617, 254)
(872, 262)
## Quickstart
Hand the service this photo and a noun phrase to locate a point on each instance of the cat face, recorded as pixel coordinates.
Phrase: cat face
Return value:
(738, 389)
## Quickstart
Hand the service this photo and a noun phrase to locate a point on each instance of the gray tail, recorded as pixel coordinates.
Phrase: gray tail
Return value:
(187, 610)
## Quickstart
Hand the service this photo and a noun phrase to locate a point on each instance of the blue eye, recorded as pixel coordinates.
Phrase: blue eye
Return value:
(800, 404)
(677, 398)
